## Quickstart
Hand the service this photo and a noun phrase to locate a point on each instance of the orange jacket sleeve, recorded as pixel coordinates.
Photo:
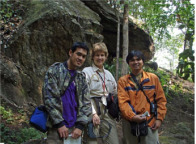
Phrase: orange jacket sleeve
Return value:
(123, 99)
(161, 100)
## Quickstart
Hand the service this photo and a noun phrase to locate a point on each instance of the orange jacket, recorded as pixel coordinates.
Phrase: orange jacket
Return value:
(128, 93)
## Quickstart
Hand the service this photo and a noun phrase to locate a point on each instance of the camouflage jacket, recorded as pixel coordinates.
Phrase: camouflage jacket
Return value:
(56, 81)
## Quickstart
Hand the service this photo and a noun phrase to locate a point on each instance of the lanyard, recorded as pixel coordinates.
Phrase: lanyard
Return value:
(103, 80)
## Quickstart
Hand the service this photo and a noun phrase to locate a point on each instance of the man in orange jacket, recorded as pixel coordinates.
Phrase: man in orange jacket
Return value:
(141, 92)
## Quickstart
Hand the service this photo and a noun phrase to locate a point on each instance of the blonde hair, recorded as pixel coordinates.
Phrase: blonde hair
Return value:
(100, 46)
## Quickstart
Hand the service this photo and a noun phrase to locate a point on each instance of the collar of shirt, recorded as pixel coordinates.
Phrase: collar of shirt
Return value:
(95, 68)
(138, 78)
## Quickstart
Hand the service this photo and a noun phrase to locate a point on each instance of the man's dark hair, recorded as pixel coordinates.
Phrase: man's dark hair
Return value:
(136, 53)
(79, 45)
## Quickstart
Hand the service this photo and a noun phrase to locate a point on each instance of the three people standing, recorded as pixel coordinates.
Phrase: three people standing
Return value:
(71, 97)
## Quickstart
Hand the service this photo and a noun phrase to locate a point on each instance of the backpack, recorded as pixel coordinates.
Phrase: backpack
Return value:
(112, 106)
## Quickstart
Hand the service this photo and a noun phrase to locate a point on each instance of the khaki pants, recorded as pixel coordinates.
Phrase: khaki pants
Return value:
(53, 137)
(113, 136)
(151, 138)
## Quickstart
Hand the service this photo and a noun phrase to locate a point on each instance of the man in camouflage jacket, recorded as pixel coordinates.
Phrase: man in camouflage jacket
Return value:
(68, 107)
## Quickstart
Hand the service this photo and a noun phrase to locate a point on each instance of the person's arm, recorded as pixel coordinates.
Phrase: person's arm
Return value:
(76, 133)
(51, 97)
(88, 80)
(124, 104)
(161, 105)
(123, 99)
(161, 101)
(63, 132)
(95, 117)
(156, 124)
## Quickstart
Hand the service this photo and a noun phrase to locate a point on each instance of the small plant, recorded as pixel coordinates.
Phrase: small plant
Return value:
(21, 111)
(28, 133)
(5, 133)
(186, 65)
(10, 136)
(6, 11)
(7, 115)
(177, 87)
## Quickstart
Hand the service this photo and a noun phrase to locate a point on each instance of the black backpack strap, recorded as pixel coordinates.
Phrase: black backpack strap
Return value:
(139, 86)
(72, 77)
(97, 101)
(105, 87)
(71, 80)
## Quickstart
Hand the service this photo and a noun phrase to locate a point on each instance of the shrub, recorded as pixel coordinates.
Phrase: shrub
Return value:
(11, 136)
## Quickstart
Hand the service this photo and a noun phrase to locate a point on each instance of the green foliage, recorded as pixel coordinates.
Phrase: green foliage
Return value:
(186, 67)
(111, 66)
(157, 16)
(5, 133)
(186, 22)
(185, 15)
(10, 136)
(8, 115)
(28, 133)
(171, 47)
(177, 87)
(6, 10)
(10, 118)
(163, 77)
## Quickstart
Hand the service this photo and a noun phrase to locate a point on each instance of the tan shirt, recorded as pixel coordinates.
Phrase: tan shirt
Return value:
(96, 85)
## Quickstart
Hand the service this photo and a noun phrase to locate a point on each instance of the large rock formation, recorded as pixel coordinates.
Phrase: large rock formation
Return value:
(138, 39)
(48, 30)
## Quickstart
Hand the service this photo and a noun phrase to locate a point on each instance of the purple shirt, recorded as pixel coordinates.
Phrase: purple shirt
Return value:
(69, 104)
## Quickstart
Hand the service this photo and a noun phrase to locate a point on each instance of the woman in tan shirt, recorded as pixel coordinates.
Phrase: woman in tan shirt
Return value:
(101, 83)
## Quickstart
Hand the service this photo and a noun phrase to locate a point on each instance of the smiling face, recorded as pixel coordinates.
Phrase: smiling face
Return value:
(136, 64)
(99, 58)
(77, 58)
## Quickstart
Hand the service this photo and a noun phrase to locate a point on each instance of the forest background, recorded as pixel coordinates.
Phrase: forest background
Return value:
(160, 18)
(171, 23)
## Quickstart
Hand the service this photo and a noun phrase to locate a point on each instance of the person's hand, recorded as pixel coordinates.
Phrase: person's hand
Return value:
(138, 118)
(156, 125)
(96, 120)
(63, 132)
(76, 133)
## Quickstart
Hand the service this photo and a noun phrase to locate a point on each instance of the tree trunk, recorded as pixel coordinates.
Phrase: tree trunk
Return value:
(116, 6)
(125, 39)
(117, 48)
